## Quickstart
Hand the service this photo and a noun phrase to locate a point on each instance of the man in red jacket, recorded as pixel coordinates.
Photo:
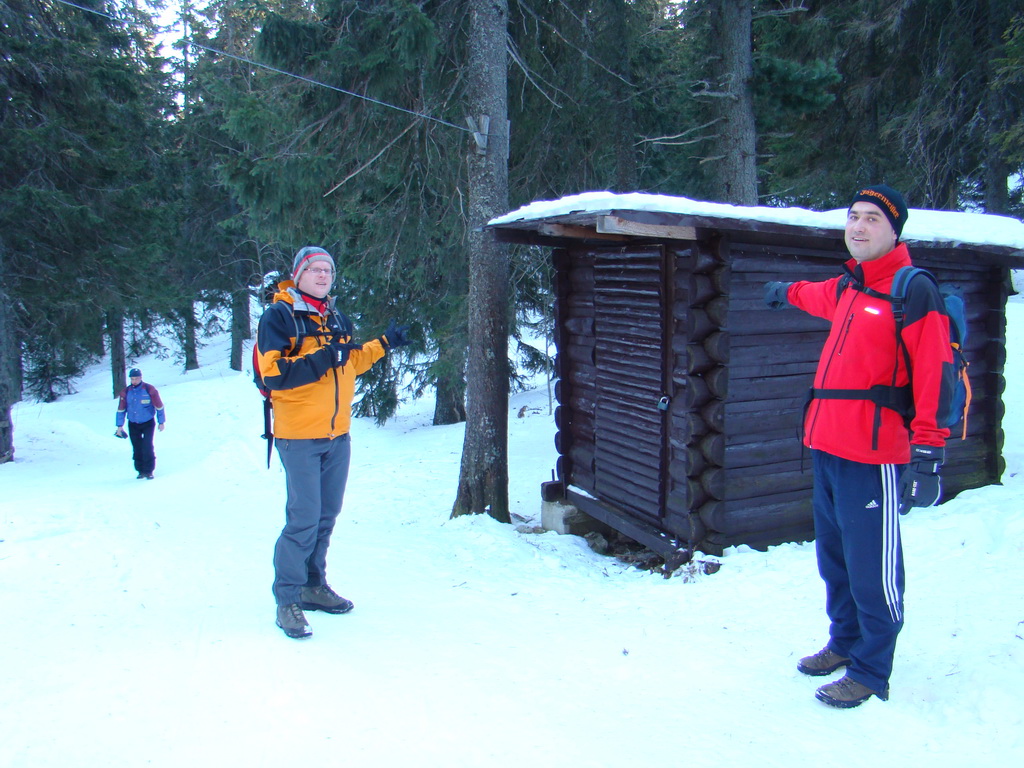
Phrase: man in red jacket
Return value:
(871, 462)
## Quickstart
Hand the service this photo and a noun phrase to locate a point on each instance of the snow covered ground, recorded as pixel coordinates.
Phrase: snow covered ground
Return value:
(138, 624)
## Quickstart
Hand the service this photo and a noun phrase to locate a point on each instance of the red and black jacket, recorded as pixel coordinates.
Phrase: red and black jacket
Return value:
(861, 352)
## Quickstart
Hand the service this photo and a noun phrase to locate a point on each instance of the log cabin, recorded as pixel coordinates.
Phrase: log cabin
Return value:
(680, 395)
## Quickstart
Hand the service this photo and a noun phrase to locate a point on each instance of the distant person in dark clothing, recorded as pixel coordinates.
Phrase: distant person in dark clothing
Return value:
(307, 358)
(141, 405)
(870, 463)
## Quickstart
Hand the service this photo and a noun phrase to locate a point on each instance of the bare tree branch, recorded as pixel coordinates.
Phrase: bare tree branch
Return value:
(671, 140)
(514, 55)
(525, 6)
(372, 160)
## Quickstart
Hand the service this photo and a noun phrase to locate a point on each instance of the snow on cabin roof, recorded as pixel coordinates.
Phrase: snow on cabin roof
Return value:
(923, 226)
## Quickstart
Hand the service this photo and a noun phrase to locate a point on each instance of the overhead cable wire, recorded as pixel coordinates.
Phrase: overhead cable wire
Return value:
(303, 78)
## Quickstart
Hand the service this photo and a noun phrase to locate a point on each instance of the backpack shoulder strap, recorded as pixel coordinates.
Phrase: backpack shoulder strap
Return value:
(900, 284)
(898, 291)
(298, 327)
(841, 286)
(344, 324)
(848, 281)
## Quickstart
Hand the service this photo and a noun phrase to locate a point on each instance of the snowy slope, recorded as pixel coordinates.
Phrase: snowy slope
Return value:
(138, 622)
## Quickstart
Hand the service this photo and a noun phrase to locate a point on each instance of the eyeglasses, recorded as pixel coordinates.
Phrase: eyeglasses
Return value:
(319, 271)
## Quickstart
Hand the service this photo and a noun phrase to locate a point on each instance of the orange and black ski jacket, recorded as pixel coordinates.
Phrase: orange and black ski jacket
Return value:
(861, 352)
(311, 397)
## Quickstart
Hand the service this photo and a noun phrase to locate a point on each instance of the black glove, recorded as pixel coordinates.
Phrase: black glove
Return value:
(775, 295)
(340, 352)
(395, 336)
(920, 484)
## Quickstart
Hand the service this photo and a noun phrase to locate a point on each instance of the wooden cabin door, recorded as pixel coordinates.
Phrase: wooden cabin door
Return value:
(630, 322)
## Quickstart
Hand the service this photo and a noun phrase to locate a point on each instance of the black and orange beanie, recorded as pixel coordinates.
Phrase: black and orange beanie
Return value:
(889, 201)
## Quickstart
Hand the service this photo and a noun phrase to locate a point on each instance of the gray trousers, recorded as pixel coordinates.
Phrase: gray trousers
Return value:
(316, 472)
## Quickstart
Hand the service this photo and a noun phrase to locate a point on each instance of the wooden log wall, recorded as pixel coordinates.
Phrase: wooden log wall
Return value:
(727, 466)
(576, 388)
(762, 494)
(699, 380)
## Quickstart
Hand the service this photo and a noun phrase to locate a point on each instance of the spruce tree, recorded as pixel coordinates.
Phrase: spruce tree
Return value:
(1009, 139)
(79, 159)
(380, 188)
(907, 93)
(483, 478)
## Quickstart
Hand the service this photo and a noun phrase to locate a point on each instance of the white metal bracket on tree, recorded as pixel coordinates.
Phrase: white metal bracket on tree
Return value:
(480, 127)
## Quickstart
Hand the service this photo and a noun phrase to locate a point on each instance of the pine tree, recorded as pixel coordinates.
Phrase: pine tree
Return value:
(912, 100)
(217, 267)
(380, 188)
(1009, 138)
(10, 372)
(483, 479)
(79, 157)
(726, 88)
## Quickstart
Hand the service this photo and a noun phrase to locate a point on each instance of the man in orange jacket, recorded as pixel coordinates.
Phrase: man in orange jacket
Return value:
(869, 466)
(308, 361)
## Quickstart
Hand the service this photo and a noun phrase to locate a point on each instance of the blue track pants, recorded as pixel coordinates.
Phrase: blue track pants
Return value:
(860, 558)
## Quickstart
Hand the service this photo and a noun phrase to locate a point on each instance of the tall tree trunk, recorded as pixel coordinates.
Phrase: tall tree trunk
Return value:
(735, 164)
(626, 176)
(997, 168)
(483, 478)
(241, 321)
(10, 364)
(189, 337)
(97, 340)
(115, 337)
(450, 387)
(997, 174)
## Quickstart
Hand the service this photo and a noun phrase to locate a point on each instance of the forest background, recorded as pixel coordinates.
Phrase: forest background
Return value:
(141, 191)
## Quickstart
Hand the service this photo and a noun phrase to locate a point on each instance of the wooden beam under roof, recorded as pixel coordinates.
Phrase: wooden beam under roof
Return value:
(578, 232)
(621, 226)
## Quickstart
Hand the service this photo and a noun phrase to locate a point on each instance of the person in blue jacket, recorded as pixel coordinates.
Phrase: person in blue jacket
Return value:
(140, 403)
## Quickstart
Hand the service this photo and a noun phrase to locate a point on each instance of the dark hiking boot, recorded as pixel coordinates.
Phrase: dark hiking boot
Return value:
(140, 476)
(292, 620)
(325, 599)
(149, 476)
(846, 692)
(824, 662)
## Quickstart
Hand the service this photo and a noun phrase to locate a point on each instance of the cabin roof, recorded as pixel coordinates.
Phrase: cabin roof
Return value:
(610, 216)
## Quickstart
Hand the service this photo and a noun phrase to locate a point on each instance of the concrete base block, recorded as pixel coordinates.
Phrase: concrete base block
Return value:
(565, 518)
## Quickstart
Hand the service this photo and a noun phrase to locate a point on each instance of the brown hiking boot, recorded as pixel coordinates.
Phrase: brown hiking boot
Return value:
(325, 599)
(824, 662)
(846, 692)
(292, 620)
